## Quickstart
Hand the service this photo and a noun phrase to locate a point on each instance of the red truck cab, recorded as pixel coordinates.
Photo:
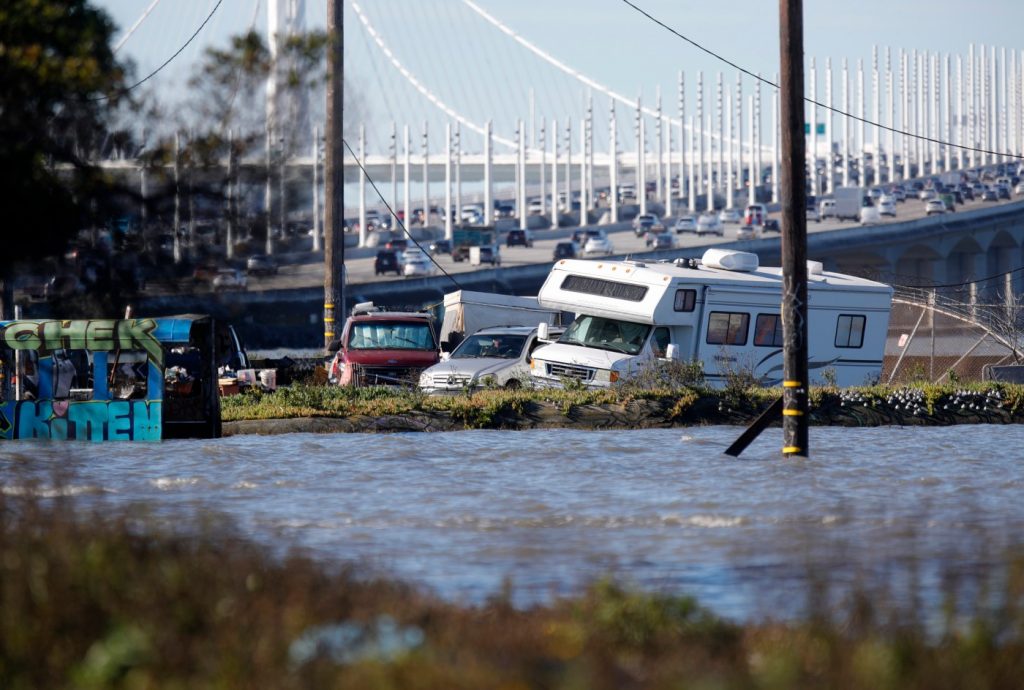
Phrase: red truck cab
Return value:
(383, 348)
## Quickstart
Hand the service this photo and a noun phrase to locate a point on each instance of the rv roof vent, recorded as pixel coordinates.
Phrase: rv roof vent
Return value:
(815, 268)
(730, 260)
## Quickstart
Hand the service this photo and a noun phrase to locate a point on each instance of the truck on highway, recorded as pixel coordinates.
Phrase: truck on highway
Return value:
(466, 238)
(848, 203)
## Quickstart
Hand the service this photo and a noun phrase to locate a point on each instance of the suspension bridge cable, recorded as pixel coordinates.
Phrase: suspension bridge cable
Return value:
(461, 60)
(136, 25)
(394, 215)
(411, 78)
(168, 61)
(380, 82)
(837, 111)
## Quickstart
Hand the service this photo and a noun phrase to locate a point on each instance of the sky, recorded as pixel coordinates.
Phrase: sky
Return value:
(604, 39)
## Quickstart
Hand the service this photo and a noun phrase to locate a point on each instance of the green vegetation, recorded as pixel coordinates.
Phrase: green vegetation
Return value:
(59, 87)
(657, 398)
(101, 600)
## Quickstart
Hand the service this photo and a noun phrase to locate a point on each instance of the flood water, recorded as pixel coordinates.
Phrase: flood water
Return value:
(548, 511)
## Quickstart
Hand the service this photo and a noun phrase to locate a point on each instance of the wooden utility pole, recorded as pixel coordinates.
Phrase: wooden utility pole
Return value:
(334, 176)
(794, 231)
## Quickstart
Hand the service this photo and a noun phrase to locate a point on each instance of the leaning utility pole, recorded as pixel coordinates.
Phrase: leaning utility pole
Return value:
(794, 231)
(334, 172)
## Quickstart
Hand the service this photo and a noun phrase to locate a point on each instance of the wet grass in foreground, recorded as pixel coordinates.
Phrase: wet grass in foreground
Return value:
(90, 600)
(644, 402)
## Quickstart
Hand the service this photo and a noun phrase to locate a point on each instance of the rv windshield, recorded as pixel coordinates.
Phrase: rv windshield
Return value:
(499, 345)
(607, 334)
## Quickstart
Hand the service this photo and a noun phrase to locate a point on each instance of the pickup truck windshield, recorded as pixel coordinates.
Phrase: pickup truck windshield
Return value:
(391, 335)
(607, 334)
(500, 345)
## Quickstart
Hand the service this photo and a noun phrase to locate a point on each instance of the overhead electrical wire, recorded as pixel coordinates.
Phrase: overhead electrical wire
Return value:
(168, 61)
(837, 111)
(394, 215)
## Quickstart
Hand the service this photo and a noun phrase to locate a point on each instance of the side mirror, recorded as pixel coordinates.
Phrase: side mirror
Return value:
(446, 346)
(672, 352)
(334, 346)
(542, 330)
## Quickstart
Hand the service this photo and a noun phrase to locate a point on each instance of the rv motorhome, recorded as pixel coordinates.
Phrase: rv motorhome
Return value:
(724, 311)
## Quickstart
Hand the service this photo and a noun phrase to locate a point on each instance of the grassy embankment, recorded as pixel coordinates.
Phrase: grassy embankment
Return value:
(105, 601)
(654, 402)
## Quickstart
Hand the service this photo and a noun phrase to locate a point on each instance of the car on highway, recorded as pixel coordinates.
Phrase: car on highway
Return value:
(417, 263)
(399, 244)
(827, 208)
(645, 223)
(813, 212)
(661, 240)
(887, 205)
(899, 193)
(685, 224)
(565, 250)
(868, 214)
(440, 247)
(386, 262)
(729, 215)
(261, 265)
(771, 225)
(535, 207)
(1003, 190)
(472, 214)
(748, 232)
(1019, 189)
(597, 242)
(989, 194)
(934, 206)
(519, 238)
(229, 279)
(755, 214)
(709, 224)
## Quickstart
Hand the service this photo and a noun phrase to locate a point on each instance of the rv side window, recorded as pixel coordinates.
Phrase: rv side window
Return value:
(850, 331)
(768, 330)
(685, 300)
(727, 328)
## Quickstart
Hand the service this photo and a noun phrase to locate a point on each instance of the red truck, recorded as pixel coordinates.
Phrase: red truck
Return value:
(383, 348)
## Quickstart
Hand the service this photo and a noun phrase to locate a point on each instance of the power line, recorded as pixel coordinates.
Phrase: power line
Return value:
(837, 111)
(168, 61)
(394, 215)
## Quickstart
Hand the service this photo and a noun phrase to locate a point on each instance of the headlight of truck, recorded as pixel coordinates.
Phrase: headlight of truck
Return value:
(606, 376)
(424, 380)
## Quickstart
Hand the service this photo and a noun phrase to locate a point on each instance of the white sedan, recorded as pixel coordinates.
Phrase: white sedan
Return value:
(415, 262)
(933, 206)
(887, 205)
(598, 243)
(709, 224)
(685, 224)
(729, 215)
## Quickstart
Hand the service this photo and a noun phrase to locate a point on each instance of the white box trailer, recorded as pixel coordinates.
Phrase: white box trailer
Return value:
(467, 311)
(848, 202)
(724, 311)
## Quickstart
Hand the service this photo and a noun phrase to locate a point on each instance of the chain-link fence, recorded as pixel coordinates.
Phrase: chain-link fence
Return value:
(940, 336)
